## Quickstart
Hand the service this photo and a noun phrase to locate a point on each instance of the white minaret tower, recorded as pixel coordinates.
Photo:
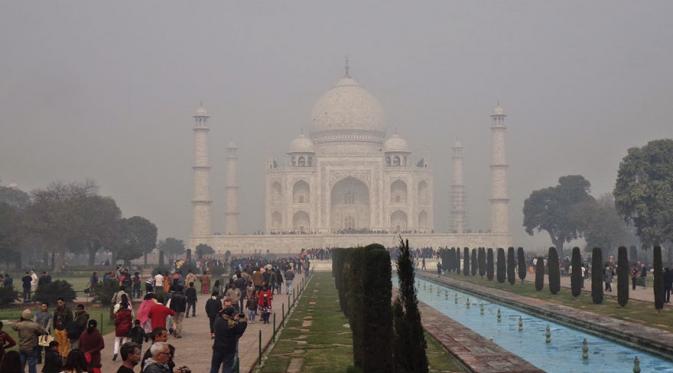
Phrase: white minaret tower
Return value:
(499, 198)
(231, 190)
(457, 190)
(201, 226)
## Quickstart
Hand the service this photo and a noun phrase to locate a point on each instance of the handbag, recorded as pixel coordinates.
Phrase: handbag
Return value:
(44, 340)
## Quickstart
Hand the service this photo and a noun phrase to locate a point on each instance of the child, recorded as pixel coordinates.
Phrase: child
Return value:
(61, 336)
(265, 307)
(252, 307)
(137, 334)
(53, 363)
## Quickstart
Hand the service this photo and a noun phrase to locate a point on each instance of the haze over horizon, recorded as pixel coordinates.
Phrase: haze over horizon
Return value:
(106, 91)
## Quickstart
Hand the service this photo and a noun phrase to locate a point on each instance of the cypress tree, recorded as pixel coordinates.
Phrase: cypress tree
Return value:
(458, 260)
(466, 261)
(622, 276)
(490, 270)
(597, 275)
(377, 322)
(658, 284)
(576, 275)
(473, 262)
(481, 257)
(554, 271)
(539, 274)
(409, 340)
(356, 305)
(521, 263)
(511, 266)
(501, 266)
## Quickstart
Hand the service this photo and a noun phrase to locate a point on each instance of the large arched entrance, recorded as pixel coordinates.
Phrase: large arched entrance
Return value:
(349, 206)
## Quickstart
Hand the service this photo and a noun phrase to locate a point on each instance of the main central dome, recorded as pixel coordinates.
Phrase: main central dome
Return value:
(347, 107)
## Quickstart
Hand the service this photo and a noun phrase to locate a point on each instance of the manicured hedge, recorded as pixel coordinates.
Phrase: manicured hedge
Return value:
(481, 257)
(501, 265)
(511, 266)
(576, 278)
(521, 263)
(490, 270)
(466, 261)
(622, 276)
(539, 274)
(554, 271)
(658, 284)
(597, 275)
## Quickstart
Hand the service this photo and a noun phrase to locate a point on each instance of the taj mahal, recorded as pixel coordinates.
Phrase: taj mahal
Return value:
(347, 183)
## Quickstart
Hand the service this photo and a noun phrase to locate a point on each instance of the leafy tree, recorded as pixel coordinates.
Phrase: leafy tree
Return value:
(539, 274)
(555, 210)
(49, 293)
(489, 264)
(136, 236)
(521, 263)
(100, 226)
(481, 257)
(473, 261)
(554, 271)
(576, 275)
(501, 265)
(172, 247)
(644, 192)
(658, 284)
(14, 197)
(11, 233)
(622, 276)
(410, 344)
(603, 225)
(511, 266)
(203, 250)
(597, 276)
(466, 261)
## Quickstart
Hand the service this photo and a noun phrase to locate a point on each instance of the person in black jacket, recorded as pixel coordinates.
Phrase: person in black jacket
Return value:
(668, 284)
(52, 360)
(213, 306)
(190, 293)
(229, 327)
(178, 304)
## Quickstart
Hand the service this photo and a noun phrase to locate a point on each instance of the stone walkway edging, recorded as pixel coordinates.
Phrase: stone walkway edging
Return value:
(646, 338)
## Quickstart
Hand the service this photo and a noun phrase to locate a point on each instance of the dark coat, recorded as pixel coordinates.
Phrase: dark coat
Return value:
(52, 362)
(178, 302)
(227, 333)
(190, 293)
(92, 342)
(213, 307)
(123, 321)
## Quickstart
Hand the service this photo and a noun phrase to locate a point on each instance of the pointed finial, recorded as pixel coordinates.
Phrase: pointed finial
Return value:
(347, 68)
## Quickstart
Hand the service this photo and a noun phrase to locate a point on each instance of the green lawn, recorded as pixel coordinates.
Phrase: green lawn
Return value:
(635, 311)
(329, 344)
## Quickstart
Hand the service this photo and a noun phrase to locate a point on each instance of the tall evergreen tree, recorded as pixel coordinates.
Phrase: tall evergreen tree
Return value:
(554, 269)
(490, 270)
(597, 275)
(458, 260)
(658, 284)
(576, 274)
(501, 266)
(481, 257)
(466, 261)
(473, 262)
(409, 339)
(622, 276)
(511, 266)
(377, 319)
(521, 263)
(539, 274)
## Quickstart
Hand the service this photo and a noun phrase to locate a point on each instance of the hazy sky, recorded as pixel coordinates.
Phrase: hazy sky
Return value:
(106, 90)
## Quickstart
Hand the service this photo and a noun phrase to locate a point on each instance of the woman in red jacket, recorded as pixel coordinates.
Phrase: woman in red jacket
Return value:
(91, 343)
(123, 323)
(265, 296)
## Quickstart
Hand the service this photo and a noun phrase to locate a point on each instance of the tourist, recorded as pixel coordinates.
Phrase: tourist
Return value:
(135, 285)
(258, 278)
(137, 334)
(75, 363)
(61, 336)
(190, 294)
(205, 283)
(158, 314)
(143, 312)
(289, 277)
(264, 300)
(33, 281)
(234, 294)
(643, 274)
(279, 280)
(251, 305)
(6, 342)
(634, 277)
(11, 363)
(158, 335)
(158, 283)
(62, 312)
(158, 363)
(178, 305)
(53, 362)
(217, 288)
(28, 331)
(93, 283)
(191, 277)
(77, 326)
(607, 276)
(44, 318)
(668, 284)
(117, 296)
(229, 327)
(130, 352)
(167, 283)
(8, 282)
(91, 343)
(213, 306)
(123, 321)
(26, 280)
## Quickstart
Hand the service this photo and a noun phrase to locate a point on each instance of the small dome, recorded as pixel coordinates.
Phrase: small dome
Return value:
(397, 144)
(301, 144)
(498, 110)
(347, 106)
(201, 111)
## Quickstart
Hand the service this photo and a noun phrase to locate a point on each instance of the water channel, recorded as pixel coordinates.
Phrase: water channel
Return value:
(563, 354)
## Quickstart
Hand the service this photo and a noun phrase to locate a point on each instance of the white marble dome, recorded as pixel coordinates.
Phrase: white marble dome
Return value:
(201, 111)
(301, 144)
(396, 144)
(347, 106)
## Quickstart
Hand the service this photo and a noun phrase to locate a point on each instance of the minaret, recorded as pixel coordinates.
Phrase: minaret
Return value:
(231, 190)
(499, 198)
(201, 201)
(457, 190)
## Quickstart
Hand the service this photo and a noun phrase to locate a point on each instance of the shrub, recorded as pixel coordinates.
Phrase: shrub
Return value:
(8, 296)
(481, 257)
(597, 276)
(521, 263)
(458, 260)
(511, 266)
(490, 270)
(554, 271)
(466, 261)
(576, 275)
(501, 268)
(539, 274)
(658, 284)
(473, 262)
(622, 276)
(49, 293)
